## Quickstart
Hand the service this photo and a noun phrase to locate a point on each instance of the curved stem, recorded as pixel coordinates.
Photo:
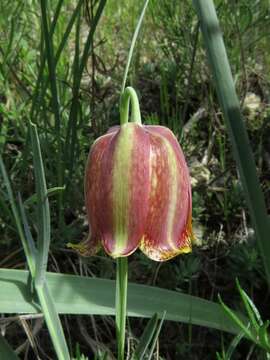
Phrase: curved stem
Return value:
(121, 304)
(128, 95)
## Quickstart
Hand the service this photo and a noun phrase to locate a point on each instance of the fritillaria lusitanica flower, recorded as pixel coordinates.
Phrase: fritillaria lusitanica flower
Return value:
(138, 193)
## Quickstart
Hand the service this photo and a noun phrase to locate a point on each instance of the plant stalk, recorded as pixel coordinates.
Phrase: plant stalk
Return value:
(129, 95)
(121, 304)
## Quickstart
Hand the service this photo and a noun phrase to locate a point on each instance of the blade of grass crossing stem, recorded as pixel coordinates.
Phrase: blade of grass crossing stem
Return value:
(121, 304)
(90, 296)
(156, 336)
(73, 115)
(220, 67)
(132, 45)
(146, 338)
(55, 101)
(30, 256)
(43, 210)
(53, 322)
(6, 352)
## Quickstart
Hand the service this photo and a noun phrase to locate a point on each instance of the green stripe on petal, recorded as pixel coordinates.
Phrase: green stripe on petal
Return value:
(121, 180)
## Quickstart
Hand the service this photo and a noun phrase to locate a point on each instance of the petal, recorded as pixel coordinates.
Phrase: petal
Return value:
(94, 195)
(168, 229)
(118, 187)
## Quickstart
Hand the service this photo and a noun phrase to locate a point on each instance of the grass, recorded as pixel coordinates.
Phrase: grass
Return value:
(66, 78)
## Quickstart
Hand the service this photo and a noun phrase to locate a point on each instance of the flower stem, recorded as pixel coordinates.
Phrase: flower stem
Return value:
(121, 304)
(127, 95)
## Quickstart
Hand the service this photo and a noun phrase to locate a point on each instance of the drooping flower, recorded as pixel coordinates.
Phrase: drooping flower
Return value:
(138, 193)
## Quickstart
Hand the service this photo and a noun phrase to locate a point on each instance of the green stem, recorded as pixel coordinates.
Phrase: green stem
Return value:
(121, 304)
(129, 94)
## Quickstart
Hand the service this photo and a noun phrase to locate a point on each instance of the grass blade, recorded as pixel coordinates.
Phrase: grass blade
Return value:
(221, 71)
(52, 191)
(156, 336)
(27, 249)
(58, 53)
(43, 244)
(80, 295)
(252, 311)
(43, 61)
(43, 210)
(73, 115)
(53, 322)
(132, 45)
(146, 338)
(238, 321)
(27, 232)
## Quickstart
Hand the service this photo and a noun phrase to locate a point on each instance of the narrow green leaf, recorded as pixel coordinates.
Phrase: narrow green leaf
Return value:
(27, 231)
(236, 340)
(43, 244)
(81, 295)
(29, 256)
(146, 338)
(264, 336)
(43, 210)
(6, 352)
(57, 56)
(51, 64)
(237, 320)
(73, 115)
(132, 45)
(229, 102)
(52, 321)
(51, 192)
(251, 309)
(156, 336)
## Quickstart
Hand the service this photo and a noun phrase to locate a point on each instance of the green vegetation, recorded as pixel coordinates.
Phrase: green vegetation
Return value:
(62, 65)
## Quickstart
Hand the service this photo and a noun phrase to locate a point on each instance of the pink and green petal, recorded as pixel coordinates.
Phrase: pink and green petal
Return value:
(129, 191)
(94, 185)
(168, 229)
(116, 189)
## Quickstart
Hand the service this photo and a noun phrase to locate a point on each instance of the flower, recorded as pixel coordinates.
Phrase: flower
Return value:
(138, 193)
(137, 190)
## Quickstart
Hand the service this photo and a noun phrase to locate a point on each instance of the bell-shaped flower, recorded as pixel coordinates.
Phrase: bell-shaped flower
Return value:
(138, 193)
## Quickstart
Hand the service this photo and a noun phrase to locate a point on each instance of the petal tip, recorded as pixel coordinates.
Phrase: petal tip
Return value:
(85, 248)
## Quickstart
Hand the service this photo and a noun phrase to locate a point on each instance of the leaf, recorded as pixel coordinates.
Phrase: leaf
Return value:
(50, 192)
(146, 338)
(251, 309)
(237, 320)
(132, 46)
(233, 345)
(43, 244)
(81, 295)
(156, 336)
(224, 82)
(43, 210)
(27, 250)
